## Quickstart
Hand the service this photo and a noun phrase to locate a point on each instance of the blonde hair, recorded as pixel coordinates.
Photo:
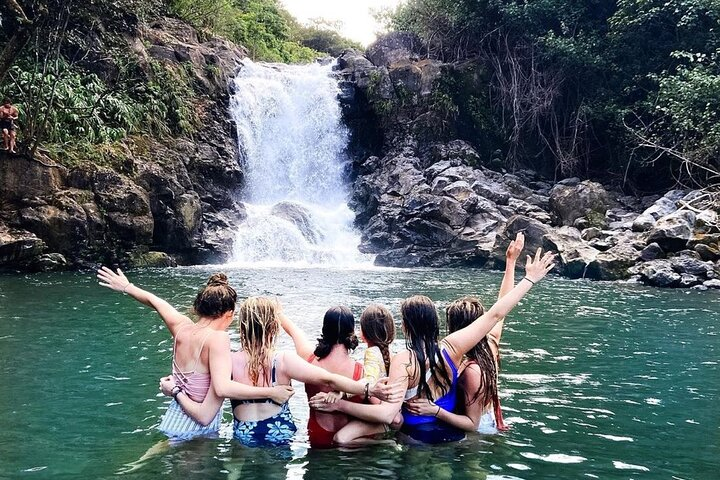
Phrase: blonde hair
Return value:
(259, 326)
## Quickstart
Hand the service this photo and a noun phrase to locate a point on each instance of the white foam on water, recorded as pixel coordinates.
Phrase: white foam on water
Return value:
(614, 438)
(292, 142)
(629, 466)
(554, 457)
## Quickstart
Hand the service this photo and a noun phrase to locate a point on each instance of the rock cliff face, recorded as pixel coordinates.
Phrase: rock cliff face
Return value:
(168, 200)
(425, 196)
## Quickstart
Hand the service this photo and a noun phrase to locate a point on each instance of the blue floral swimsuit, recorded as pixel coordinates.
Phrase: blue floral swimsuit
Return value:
(276, 430)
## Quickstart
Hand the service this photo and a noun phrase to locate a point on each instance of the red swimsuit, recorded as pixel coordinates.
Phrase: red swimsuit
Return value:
(319, 436)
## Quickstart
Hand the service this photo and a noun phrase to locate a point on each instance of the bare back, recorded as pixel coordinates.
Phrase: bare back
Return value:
(257, 410)
(338, 362)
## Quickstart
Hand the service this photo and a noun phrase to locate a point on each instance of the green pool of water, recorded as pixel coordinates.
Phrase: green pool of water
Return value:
(598, 381)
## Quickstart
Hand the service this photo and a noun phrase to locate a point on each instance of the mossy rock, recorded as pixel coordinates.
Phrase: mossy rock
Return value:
(152, 259)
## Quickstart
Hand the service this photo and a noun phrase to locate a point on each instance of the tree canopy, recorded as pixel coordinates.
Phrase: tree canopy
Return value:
(591, 86)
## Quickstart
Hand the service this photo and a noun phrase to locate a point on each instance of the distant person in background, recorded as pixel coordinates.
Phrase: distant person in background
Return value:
(8, 115)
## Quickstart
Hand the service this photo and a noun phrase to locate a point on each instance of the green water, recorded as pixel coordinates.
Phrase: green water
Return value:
(599, 381)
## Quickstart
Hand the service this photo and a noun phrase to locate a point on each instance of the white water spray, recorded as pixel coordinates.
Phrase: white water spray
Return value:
(292, 139)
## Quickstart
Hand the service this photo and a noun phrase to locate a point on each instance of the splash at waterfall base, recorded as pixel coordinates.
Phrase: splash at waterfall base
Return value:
(293, 146)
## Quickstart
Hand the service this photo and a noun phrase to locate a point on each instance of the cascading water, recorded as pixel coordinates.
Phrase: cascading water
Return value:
(293, 143)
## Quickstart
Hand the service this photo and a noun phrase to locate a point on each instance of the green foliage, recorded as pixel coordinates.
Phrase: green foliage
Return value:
(322, 36)
(261, 26)
(583, 72)
(67, 105)
(686, 111)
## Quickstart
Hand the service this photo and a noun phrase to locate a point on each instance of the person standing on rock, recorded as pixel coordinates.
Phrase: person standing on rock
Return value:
(8, 114)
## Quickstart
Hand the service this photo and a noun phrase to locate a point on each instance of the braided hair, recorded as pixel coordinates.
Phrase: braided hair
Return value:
(378, 328)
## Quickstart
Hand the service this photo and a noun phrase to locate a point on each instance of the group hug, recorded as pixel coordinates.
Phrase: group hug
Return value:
(432, 391)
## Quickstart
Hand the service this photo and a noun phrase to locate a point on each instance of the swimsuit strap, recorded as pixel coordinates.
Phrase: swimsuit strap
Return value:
(273, 379)
(202, 345)
(175, 337)
(449, 361)
(358, 372)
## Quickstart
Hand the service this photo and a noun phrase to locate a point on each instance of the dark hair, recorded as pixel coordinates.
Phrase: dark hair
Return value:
(338, 329)
(378, 328)
(216, 298)
(460, 314)
(422, 330)
(6, 100)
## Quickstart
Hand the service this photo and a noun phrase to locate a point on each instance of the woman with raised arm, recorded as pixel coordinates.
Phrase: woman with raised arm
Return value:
(201, 363)
(428, 368)
(478, 382)
(264, 421)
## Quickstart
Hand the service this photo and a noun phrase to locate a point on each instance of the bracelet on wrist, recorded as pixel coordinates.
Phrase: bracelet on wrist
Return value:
(438, 412)
(526, 278)
(124, 290)
(175, 391)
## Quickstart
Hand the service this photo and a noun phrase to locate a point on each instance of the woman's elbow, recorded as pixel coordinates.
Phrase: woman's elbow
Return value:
(207, 420)
(221, 389)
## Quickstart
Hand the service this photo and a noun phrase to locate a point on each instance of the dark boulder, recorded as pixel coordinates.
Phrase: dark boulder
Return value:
(614, 263)
(300, 217)
(673, 231)
(652, 252)
(586, 199)
(659, 273)
(18, 246)
(395, 47)
(574, 255)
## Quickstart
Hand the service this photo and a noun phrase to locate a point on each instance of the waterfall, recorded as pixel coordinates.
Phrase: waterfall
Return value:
(292, 141)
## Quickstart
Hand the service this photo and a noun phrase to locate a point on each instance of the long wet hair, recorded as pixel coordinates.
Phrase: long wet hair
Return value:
(259, 326)
(338, 329)
(216, 298)
(378, 328)
(422, 330)
(460, 314)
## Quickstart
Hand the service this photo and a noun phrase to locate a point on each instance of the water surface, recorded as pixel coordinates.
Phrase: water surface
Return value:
(599, 380)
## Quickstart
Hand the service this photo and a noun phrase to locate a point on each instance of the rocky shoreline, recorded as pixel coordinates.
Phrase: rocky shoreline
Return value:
(165, 201)
(421, 192)
(427, 198)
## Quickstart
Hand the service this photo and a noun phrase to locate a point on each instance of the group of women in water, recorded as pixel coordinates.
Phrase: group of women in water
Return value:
(432, 391)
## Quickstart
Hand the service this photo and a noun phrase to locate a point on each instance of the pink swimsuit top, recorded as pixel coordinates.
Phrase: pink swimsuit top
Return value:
(195, 385)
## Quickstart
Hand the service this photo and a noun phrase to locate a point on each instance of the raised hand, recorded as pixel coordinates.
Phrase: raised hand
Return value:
(537, 268)
(115, 281)
(388, 392)
(282, 393)
(515, 248)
